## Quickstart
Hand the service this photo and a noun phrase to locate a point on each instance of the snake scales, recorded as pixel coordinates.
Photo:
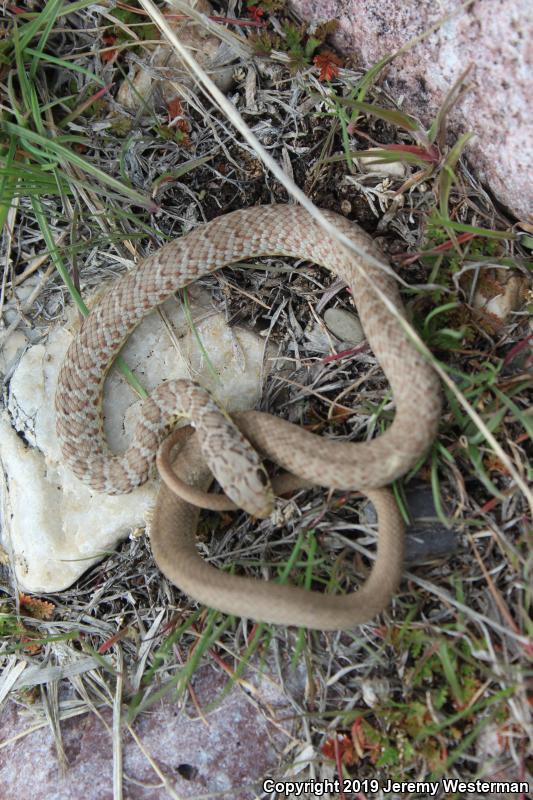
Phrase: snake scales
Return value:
(263, 230)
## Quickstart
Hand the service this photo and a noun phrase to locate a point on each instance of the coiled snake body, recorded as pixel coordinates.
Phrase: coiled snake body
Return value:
(264, 230)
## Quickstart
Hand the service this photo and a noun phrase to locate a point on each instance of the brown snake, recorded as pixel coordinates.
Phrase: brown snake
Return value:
(259, 231)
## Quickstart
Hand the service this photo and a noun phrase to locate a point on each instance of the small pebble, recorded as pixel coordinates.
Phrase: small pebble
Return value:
(345, 325)
(393, 169)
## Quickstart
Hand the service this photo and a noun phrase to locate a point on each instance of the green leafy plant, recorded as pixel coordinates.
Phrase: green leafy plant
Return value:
(294, 40)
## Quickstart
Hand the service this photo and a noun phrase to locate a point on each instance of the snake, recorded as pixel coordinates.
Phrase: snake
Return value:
(227, 446)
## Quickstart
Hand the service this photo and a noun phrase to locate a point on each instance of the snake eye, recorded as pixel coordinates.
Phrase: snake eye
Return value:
(263, 477)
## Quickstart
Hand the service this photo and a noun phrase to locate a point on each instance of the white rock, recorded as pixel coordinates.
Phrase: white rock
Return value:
(10, 350)
(506, 293)
(490, 743)
(375, 691)
(56, 527)
(393, 169)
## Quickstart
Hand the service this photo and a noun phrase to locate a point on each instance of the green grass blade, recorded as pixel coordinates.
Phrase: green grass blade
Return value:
(69, 283)
(180, 171)
(67, 65)
(525, 420)
(52, 8)
(437, 128)
(31, 29)
(437, 495)
(444, 221)
(481, 474)
(449, 669)
(447, 175)
(397, 118)
(371, 75)
(439, 310)
(190, 322)
(469, 711)
(492, 424)
(8, 183)
(53, 148)
(56, 256)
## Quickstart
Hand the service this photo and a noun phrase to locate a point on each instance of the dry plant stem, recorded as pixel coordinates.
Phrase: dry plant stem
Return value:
(174, 548)
(36, 263)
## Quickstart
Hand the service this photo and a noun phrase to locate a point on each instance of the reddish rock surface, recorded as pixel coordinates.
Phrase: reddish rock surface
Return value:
(495, 36)
(234, 746)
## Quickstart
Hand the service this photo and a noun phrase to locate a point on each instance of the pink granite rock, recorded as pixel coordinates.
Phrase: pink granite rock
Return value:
(228, 750)
(495, 36)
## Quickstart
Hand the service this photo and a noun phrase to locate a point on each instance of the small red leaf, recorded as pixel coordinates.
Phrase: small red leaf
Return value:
(328, 63)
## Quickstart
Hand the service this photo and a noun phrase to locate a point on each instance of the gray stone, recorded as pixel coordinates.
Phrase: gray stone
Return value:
(426, 537)
(345, 325)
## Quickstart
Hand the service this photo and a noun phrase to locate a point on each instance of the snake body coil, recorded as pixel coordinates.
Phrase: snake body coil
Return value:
(259, 231)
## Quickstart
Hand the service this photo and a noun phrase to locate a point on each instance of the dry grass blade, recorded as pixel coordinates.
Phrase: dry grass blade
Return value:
(117, 726)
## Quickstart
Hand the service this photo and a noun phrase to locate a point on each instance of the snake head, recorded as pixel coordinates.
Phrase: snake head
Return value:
(246, 482)
(235, 464)
(260, 489)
